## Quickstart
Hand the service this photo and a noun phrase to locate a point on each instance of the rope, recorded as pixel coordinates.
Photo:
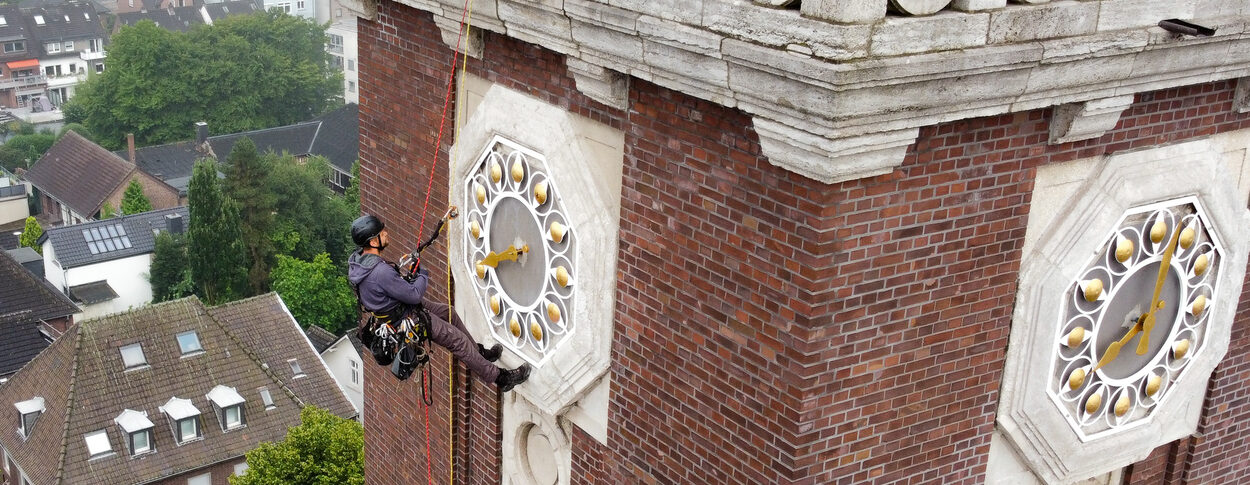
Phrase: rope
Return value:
(458, 125)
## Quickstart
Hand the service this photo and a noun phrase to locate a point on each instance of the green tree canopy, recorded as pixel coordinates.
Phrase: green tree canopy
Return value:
(317, 292)
(310, 219)
(159, 83)
(170, 276)
(215, 252)
(323, 450)
(133, 200)
(31, 234)
(15, 152)
(246, 175)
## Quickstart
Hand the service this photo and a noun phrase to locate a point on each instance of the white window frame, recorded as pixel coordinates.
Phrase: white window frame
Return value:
(238, 421)
(285, 7)
(108, 446)
(143, 360)
(240, 468)
(134, 451)
(199, 346)
(296, 370)
(205, 479)
(300, 5)
(180, 437)
(355, 372)
(69, 46)
(266, 398)
(17, 46)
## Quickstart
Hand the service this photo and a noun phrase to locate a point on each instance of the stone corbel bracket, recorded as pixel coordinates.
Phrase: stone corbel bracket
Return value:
(365, 9)
(469, 43)
(1091, 119)
(600, 84)
(1241, 97)
(832, 160)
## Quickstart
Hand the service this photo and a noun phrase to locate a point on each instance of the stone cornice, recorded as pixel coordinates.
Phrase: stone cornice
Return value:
(838, 102)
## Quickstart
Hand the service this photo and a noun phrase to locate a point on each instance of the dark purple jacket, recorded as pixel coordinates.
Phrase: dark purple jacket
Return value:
(379, 284)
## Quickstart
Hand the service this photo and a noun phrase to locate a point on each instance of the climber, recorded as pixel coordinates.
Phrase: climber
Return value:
(385, 292)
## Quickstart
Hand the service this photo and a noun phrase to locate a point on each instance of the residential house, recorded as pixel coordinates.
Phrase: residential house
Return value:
(21, 79)
(133, 6)
(76, 177)
(174, 393)
(343, 49)
(28, 258)
(70, 43)
(32, 314)
(334, 135)
(183, 18)
(342, 356)
(104, 265)
(302, 8)
(13, 206)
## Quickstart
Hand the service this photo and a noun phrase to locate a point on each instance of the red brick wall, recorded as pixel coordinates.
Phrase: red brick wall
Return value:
(769, 329)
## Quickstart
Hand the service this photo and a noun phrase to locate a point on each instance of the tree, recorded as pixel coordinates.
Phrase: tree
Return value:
(170, 276)
(133, 200)
(24, 150)
(31, 234)
(323, 450)
(246, 175)
(352, 195)
(310, 219)
(159, 83)
(215, 254)
(317, 292)
(107, 211)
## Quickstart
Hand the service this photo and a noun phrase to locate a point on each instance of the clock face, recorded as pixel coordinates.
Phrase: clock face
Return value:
(1135, 317)
(520, 249)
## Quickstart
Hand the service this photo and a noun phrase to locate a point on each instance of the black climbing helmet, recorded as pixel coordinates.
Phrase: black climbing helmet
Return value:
(364, 228)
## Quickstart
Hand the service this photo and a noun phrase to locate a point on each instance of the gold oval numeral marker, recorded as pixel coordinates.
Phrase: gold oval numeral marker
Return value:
(1077, 379)
(1199, 305)
(1158, 231)
(1180, 349)
(496, 173)
(475, 229)
(481, 192)
(1122, 404)
(540, 193)
(557, 232)
(536, 331)
(553, 312)
(1153, 384)
(1187, 237)
(481, 270)
(494, 304)
(1201, 264)
(562, 277)
(1093, 403)
(518, 171)
(515, 327)
(1076, 336)
(1093, 289)
(1123, 249)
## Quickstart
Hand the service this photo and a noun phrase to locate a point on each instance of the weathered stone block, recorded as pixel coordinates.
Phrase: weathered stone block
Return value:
(599, 13)
(847, 11)
(780, 28)
(832, 160)
(1129, 14)
(607, 41)
(1082, 121)
(685, 11)
(675, 33)
(1205, 9)
(686, 64)
(944, 31)
(1057, 19)
(977, 5)
(538, 25)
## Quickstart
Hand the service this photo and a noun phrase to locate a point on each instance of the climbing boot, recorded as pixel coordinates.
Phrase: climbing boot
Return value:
(492, 354)
(510, 378)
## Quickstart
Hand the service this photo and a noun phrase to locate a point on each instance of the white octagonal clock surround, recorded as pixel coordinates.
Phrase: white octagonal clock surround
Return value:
(1047, 432)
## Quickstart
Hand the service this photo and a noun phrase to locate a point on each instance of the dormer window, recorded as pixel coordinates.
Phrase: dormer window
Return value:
(229, 406)
(137, 429)
(132, 356)
(184, 419)
(189, 343)
(295, 368)
(29, 410)
(98, 444)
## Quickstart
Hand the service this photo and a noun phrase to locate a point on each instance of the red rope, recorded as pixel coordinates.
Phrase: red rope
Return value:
(442, 123)
(429, 468)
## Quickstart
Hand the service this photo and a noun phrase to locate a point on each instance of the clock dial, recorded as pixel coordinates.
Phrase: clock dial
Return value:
(520, 249)
(1135, 317)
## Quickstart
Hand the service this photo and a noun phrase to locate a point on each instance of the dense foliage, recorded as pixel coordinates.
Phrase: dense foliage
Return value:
(323, 450)
(133, 200)
(31, 234)
(246, 175)
(170, 276)
(316, 292)
(215, 252)
(241, 73)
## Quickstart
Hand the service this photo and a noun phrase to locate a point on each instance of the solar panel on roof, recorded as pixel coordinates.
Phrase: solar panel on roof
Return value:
(91, 246)
(107, 238)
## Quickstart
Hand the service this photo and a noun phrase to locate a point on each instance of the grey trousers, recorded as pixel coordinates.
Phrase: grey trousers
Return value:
(455, 338)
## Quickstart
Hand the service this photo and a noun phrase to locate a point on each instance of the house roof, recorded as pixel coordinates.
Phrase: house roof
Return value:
(320, 338)
(14, 28)
(79, 173)
(176, 19)
(25, 301)
(69, 21)
(93, 292)
(28, 4)
(81, 377)
(218, 11)
(10, 234)
(334, 135)
(105, 240)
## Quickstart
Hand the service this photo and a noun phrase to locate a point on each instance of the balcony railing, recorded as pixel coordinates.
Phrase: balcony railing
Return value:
(91, 56)
(23, 82)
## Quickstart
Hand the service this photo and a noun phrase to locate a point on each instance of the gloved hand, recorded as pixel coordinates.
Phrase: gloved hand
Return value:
(408, 266)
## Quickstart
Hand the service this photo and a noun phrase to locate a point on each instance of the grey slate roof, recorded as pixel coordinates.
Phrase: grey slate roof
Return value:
(246, 345)
(25, 300)
(218, 11)
(9, 240)
(70, 21)
(79, 173)
(335, 135)
(14, 28)
(320, 338)
(73, 249)
(177, 19)
(29, 259)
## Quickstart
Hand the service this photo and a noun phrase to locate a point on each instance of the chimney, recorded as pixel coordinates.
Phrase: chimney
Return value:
(130, 145)
(173, 223)
(201, 132)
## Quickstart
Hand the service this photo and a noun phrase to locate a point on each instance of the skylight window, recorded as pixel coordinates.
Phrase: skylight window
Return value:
(132, 356)
(98, 444)
(3, 21)
(266, 398)
(189, 342)
(39, 19)
(108, 238)
(295, 368)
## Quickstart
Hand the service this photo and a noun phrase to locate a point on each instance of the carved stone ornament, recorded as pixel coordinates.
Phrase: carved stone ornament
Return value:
(1074, 406)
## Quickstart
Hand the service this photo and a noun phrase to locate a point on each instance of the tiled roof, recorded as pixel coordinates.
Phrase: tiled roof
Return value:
(93, 292)
(335, 135)
(218, 11)
(79, 173)
(245, 344)
(9, 240)
(177, 19)
(320, 338)
(14, 27)
(70, 21)
(73, 249)
(25, 300)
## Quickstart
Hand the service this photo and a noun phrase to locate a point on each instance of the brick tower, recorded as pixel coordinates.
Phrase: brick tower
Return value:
(821, 241)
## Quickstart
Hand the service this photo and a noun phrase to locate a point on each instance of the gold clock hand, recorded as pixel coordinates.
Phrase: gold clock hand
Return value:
(1114, 349)
(1155, 304)
(492, 259)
